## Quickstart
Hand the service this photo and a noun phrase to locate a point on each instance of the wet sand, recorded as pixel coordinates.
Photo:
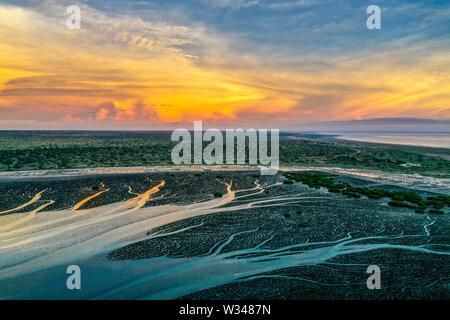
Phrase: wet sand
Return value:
(164, 235)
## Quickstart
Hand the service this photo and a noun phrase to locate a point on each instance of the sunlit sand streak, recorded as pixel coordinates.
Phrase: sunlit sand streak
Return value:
(33, 200)
(208, 207)
(131, 192)
(79, 204)
(110, 239)
(27, 217)
(137, 202)
(99, 215)
(256, 187)
(143, 198)
(175, 214)
(116, 237)
(36, 227)
(131, 204)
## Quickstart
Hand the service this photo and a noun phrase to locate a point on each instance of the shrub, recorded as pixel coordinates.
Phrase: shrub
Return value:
(436, 211)
(354, 195)
(396, 203)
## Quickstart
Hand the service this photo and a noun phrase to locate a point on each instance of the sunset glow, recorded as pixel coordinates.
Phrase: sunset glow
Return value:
(145, 67)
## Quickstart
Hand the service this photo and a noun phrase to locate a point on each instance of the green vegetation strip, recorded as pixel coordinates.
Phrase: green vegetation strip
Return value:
(405, 199)
(44, 150)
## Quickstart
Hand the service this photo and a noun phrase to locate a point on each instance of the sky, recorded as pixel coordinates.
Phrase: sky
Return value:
(151, 65)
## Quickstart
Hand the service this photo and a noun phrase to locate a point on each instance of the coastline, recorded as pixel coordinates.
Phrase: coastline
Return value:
(399, 139)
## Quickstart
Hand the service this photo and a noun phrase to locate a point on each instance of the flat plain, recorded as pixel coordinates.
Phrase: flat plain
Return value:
(43, 150)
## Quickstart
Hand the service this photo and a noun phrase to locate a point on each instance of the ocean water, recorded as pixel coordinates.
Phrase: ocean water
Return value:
(438, 140)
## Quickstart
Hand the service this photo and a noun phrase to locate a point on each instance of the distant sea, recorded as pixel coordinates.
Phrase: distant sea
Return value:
(439, 140)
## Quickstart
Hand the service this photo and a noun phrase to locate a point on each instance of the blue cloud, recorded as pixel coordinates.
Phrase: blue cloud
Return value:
(296, 27)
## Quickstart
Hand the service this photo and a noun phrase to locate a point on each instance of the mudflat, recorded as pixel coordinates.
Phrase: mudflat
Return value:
(215, 234)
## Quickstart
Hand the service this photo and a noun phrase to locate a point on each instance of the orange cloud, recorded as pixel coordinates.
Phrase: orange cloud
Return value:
(125, 70)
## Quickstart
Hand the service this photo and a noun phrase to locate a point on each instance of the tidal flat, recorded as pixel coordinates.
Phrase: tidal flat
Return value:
(215, 235)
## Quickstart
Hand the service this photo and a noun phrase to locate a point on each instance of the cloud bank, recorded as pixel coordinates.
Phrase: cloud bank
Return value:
(153, 65)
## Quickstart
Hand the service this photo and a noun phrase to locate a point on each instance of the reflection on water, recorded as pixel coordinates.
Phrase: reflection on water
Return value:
(416, 139)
